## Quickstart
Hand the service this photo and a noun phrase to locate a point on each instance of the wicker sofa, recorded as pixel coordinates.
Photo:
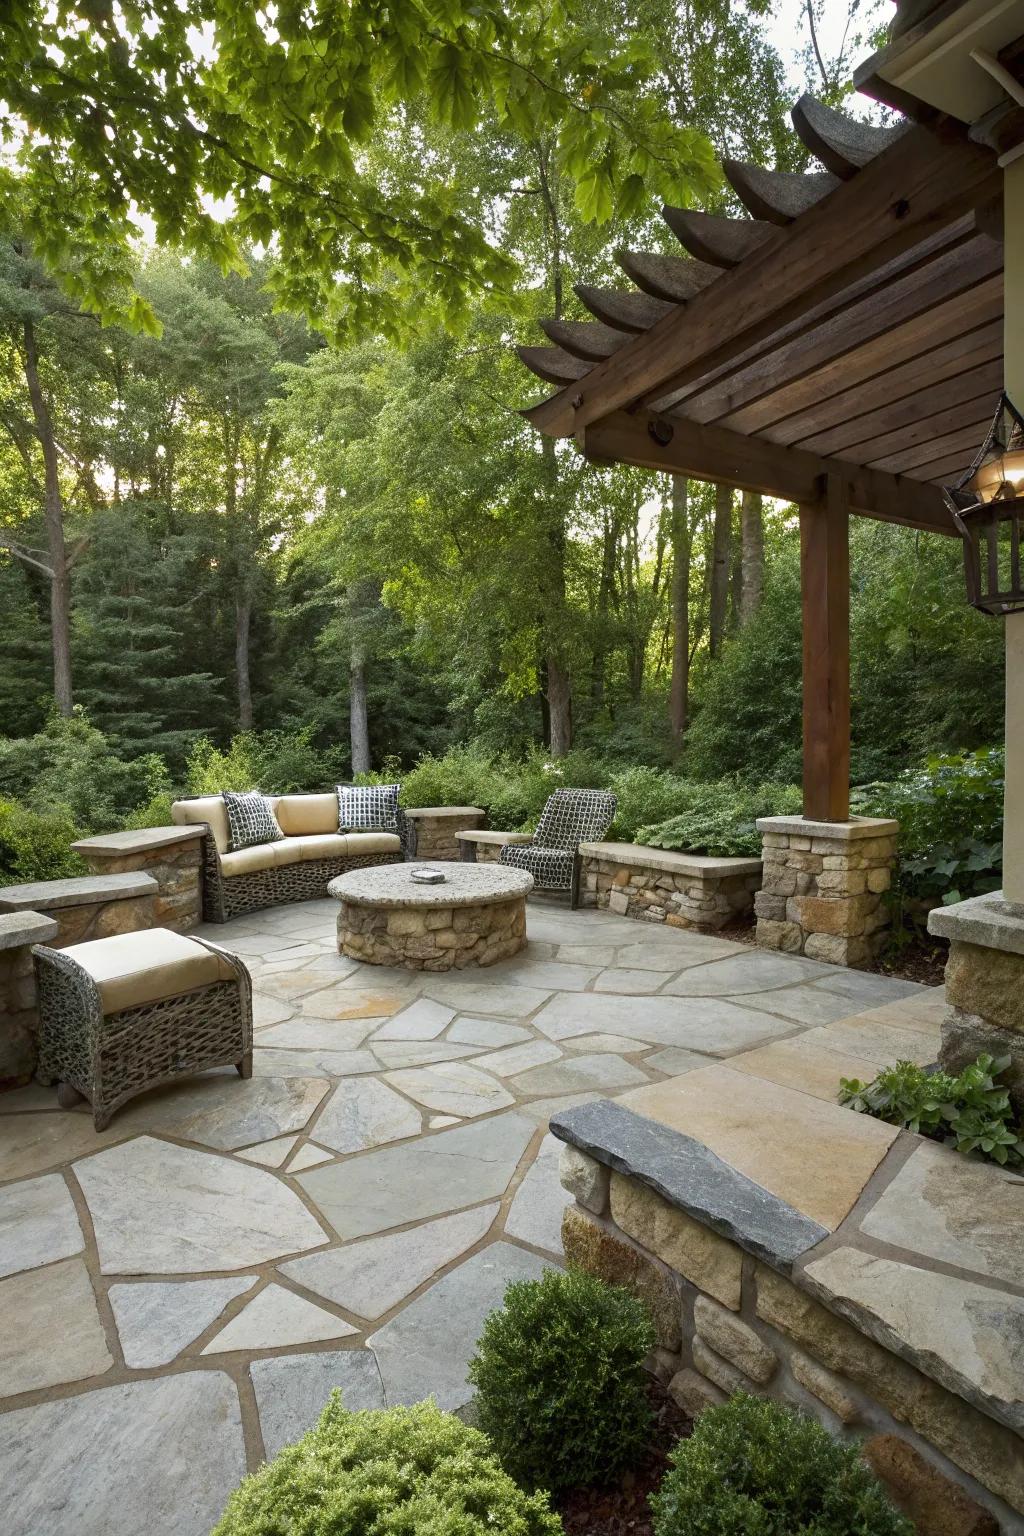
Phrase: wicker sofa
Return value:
(298, 867)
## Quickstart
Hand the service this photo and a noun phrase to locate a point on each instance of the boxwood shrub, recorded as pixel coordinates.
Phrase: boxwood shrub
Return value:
(560, 1382)
(755, 1468)
(387, 1472)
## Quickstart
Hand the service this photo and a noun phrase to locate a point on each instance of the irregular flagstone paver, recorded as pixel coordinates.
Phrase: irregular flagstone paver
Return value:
(817, 1157)
(454, 1089)
(422, 1020)
(948, 1207)
(535, 1215)
(501, 997)
(542, 1110)
(296, 983)
(799, 1063)
(965, 1335)
(549, 975)
(275, 1317)
(486, 1032)
(155, 1456)
(425, 1178)
(426, 1349)
(579, 1072)
(309, 1156)
(363, 1112)
(292, 1390)
(38, 1224)
(419, 1053)
(676, 1061)
(878, 1042)
(674, 952)
(631, 980)
(318, 1034)
(269, 1154)
(269, 1010)
(57, 1337)
(225, 1112)
(341, 1002)
(621, 1045)
(164, 1210)
(372, 1276)
(155, 1321)
(583, 954)
(753, 971)
(16, 1101)
(438, 1122)
(868, 989)
(516, 1058)
(280, 1063)
(31, 1143)
(701, 1023)
(807, 1004)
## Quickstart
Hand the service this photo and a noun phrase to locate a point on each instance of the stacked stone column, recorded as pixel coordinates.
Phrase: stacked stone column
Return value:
(19, 1016)
(824, 887)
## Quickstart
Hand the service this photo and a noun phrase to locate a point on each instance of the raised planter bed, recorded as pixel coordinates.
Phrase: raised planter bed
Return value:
(685, 890)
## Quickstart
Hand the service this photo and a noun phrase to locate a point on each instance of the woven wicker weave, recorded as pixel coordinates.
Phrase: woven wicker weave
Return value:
(225, 897)
(109, 1058)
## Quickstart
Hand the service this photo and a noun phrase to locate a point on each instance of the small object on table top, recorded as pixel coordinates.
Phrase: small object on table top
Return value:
(424, 875)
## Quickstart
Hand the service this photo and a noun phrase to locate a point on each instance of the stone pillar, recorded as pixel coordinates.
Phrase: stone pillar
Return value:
(1013, 330)
(438, 826)
(984, 984)
(19, 1018)
(171, 855)
(823, 892)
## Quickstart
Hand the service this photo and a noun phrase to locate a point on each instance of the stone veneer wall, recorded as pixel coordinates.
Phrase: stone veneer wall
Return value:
(433, 938)
(657, 886)
(824, 885)
(171, 855)
(437, 826)
(19, 1016)
(984, 985)
(727, 1322)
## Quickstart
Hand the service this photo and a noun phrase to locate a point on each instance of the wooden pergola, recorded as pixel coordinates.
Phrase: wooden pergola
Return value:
(841, 348)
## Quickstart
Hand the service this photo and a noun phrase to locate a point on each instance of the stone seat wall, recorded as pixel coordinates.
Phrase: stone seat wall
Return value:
(171, 855)
(684, 890)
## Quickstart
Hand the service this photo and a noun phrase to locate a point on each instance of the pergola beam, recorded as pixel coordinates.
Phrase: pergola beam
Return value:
(753, 464)
(897, 201)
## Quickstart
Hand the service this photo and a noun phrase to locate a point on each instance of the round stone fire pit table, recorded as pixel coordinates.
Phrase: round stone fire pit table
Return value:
(475, 917)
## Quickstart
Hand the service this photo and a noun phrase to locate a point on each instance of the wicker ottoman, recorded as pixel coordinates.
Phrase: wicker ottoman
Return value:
(120, 1015)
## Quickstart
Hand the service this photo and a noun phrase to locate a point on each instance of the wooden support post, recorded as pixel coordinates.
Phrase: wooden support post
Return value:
(825, 585)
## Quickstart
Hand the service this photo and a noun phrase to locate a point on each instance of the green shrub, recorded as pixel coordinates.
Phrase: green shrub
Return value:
(719, 818)
(968, 1111)
(754, 1468)
(391, 1472)
(646, 797)
(35, 846)
(560, 1381)
(69, 769)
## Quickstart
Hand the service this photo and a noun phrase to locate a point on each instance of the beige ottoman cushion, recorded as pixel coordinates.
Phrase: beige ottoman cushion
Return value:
(132, 969)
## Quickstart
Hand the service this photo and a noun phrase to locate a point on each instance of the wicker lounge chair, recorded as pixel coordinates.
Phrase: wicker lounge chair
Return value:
(570, 817)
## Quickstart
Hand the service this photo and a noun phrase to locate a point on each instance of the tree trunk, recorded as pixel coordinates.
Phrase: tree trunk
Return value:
(721, 560)
(358, 723)
(679, 687)
(559, 707)
(59, 570)
(752, 541)
(243, 623)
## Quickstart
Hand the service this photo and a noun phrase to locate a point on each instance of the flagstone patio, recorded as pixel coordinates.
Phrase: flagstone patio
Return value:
(181, 1291)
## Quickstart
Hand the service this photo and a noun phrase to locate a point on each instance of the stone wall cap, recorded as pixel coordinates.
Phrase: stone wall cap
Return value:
(446, 810)
(391, 886)
(495, 839)
(20, 928)
(989, 921)
(637, 856)
(843, 831)
(691, 1177)
(50, 895)
(140, 840)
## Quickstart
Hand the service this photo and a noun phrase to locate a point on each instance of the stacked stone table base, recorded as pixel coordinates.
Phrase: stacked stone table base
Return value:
(435, 939)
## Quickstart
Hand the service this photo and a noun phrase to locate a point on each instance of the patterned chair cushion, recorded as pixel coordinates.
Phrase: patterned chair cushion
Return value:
(368, 807)
(574, 816)
(251, 819)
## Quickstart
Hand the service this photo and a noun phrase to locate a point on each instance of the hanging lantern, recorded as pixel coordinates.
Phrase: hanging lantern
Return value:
(987, 504)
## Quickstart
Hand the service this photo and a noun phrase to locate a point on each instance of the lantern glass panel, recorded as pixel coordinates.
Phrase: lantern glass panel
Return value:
(987, 503)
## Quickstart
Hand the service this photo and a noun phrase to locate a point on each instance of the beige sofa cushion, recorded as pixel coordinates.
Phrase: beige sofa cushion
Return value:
(211, 809)
(360, 843)
(132, 969)
(249, 861)
(319, 845)
(305, 815)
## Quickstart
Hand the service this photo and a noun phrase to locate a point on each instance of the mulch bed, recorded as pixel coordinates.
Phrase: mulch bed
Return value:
(623, 1510)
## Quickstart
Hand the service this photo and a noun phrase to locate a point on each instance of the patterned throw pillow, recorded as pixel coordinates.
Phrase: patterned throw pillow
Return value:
(251, 819)
(368, 807)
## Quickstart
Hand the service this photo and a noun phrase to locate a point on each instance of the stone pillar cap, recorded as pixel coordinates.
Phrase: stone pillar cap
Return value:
(989, 921)
(844, 831)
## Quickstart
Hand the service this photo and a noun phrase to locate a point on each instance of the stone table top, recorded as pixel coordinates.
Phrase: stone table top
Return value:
(465, 885)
